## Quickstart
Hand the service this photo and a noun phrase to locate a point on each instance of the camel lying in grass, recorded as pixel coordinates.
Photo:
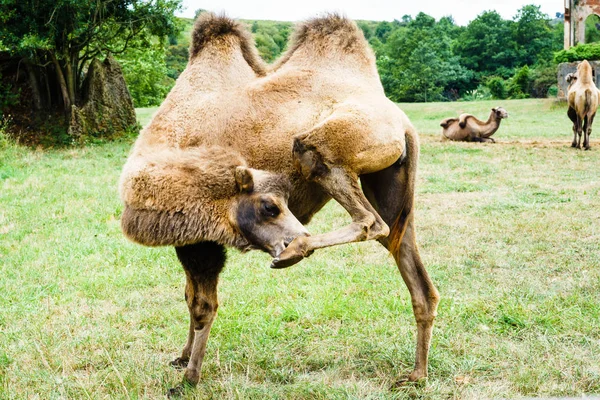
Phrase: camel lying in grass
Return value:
(318, 120)
(467, 128)
(583, 97)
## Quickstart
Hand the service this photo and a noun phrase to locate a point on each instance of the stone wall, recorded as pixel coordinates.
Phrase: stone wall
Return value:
(566, 68)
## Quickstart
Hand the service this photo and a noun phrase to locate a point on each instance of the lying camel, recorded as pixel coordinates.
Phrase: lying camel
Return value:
(467, 128)
(583, 97)
(320, 118)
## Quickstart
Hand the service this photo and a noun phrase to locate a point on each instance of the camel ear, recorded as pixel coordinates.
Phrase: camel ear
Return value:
(494, 109)
(244, 179)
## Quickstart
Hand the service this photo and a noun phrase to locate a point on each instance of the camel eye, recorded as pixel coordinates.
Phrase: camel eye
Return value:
(270, 209)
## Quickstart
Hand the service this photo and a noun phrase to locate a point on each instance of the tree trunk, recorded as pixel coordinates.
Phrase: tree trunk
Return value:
(63, 84)
(35, 87)
(70, 77)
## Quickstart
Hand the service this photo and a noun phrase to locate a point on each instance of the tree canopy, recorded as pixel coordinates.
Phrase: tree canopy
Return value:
(57, 39)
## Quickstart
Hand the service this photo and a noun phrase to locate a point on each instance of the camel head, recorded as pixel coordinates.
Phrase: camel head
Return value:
(261, 213)
(500, 112)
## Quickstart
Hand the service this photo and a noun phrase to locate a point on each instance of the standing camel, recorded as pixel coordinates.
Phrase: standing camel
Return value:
(320, 118)
(583, 97)
(467, 128)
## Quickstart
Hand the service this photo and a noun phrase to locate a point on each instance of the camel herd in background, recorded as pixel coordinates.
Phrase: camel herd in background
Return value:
(583, 98)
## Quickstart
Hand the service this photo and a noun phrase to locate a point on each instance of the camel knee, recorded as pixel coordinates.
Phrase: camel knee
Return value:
(203, 313)
(308, 160)
(425, 313)
(425, 307)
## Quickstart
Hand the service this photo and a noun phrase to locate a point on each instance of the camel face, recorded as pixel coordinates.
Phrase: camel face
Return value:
(500, 112)
(262, 214)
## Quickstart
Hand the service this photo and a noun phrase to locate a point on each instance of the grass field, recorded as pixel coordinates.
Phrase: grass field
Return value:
(510, 234)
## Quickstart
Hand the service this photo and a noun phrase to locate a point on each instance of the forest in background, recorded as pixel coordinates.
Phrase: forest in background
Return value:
(419, 59)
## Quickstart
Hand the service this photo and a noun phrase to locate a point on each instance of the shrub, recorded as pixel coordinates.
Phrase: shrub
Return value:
(542, 79)
(589, 51)
(520, 83)
(497, 87)
(481, 93)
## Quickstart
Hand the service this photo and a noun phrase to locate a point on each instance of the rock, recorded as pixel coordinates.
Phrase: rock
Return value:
(107, 107)
(566, 68)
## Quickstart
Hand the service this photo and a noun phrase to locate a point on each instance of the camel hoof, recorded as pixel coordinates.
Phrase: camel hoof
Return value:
(176, 392)
(179, 363)
(408, 380)
(280, 263)
(573, 144)
(292, 254)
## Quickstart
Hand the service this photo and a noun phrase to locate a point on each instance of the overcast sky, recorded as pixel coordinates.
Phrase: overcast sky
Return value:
(462, 11)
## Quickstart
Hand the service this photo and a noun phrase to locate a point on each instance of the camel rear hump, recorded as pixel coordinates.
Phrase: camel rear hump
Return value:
(329, 39)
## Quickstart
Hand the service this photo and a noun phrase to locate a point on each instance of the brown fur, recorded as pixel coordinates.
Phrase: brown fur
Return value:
(320, 118)
(210, 29)
(583, 98)
(467, 128)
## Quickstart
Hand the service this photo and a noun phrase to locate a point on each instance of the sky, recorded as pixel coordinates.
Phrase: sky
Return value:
(462, 11)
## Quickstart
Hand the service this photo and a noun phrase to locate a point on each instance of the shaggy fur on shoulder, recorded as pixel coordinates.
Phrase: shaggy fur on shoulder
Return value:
(177, 197)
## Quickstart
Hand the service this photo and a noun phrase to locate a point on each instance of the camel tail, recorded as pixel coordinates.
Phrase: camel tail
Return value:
(409, 176)
(210, 27)
(588, 101)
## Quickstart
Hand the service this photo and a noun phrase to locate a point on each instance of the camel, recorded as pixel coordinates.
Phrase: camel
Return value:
(583, 98)
(319, 117)
(467, 128)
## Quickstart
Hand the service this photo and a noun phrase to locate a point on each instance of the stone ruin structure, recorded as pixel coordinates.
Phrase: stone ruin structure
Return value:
(576, 13)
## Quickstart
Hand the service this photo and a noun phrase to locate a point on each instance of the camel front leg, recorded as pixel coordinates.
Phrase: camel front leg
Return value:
(366, 222)
(579, 131)
(182, 361)
(202, 263)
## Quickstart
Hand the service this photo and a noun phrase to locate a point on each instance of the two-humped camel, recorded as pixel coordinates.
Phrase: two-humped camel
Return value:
(467, 128)
(583, 97)
(319, 117)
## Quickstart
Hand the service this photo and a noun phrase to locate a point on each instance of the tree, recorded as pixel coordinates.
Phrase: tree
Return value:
(56, 40)
(417, 64)
(532, 34)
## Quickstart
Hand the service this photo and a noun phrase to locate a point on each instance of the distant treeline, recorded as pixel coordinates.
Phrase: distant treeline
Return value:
(419, 59)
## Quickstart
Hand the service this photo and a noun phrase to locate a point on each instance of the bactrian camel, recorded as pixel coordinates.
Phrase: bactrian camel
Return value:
(583, 98)
(467, 128)
(318, 117)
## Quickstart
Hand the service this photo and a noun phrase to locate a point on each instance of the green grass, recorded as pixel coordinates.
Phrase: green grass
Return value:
(509, 232)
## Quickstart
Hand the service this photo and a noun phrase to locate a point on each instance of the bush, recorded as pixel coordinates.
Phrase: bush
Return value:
(580, 52)
(520, 84)
(481, 93)
(497, 87)
(542, 79)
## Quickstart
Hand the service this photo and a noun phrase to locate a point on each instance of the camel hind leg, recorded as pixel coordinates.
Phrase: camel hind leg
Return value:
(573, 117)
(391, 191)
(587, 131)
